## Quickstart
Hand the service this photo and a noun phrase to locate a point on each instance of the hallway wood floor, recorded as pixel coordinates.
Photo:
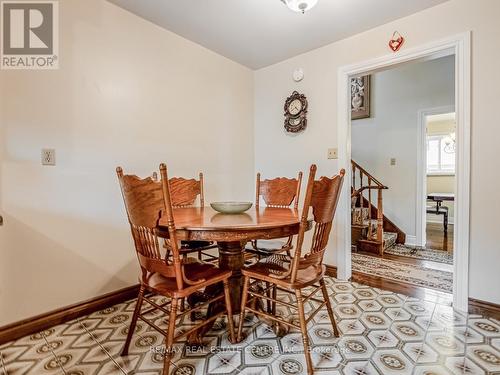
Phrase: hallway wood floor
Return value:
(437, 239)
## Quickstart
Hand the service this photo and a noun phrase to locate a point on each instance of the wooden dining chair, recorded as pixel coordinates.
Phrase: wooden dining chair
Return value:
(279, 192)
(184, 193)
(174, 277)
(305, 269)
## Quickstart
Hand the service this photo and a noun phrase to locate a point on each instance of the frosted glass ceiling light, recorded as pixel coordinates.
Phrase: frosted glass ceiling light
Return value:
(300, 5)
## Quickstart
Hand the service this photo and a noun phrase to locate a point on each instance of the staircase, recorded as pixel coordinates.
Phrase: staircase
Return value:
(371, 230)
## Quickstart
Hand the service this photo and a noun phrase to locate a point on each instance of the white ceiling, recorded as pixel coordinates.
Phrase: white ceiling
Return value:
(258, 33)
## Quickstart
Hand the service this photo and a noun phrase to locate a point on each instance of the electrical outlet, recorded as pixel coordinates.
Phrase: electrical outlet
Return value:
(393, 161)
(48, 156)
(333, 153)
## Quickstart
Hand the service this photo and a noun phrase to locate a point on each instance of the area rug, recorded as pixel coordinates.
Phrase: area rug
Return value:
(405, 272)
(425, 254)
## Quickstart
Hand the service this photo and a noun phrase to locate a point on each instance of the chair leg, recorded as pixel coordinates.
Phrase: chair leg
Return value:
(229, 310)
(273, 306)
(303, 330)
(169, 340)
(133, 323)
(326, 297)
(268, 295)
(246, 282)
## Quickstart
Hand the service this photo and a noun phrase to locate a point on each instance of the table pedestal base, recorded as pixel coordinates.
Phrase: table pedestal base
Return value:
(231, 257)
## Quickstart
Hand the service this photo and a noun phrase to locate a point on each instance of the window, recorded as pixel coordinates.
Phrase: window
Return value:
(440, 154)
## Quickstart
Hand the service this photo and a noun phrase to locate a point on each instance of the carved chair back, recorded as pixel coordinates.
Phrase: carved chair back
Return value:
(322, 196)
(184, 192)
(278, 192)
(146, 200)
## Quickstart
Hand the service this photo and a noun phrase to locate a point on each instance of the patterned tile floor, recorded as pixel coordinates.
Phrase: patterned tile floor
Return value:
(382, 333)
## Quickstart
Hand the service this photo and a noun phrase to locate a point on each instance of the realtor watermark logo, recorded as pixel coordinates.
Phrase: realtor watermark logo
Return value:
(30, 34)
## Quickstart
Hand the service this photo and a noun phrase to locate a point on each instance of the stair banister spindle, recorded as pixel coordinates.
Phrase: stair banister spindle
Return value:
(370, 229)
(354, 176)
(360, 179)
(369, 198)
(380, 218)
(361, 192)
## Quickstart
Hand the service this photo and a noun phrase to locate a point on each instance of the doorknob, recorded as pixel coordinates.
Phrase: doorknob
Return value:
(1, 220)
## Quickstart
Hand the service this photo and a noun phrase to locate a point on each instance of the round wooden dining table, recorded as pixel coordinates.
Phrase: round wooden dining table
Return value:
(232, 232)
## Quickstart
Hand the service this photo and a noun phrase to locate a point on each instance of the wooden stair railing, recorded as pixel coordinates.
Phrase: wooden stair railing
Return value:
(368, 183)
(361, 195)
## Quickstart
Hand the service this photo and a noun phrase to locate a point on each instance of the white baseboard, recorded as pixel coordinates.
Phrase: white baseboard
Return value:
(411, 240)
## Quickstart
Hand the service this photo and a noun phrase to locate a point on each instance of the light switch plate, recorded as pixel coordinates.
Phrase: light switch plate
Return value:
(393, 161)
(333, 153)
(48, 156)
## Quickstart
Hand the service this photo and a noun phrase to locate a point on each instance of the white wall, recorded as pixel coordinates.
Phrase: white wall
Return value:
(391, 132)
(278, 153)
(127, 93)
(131, 93)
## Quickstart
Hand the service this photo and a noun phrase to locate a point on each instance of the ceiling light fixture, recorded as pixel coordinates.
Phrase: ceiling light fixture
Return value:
(450, 142)
(300, 5)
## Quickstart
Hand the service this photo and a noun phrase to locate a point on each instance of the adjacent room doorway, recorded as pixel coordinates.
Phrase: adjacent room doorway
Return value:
(459, 46)
(437, 177)
(387, 165)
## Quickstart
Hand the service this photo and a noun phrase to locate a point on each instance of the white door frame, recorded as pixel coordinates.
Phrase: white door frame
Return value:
(421, 197)
(459, 45)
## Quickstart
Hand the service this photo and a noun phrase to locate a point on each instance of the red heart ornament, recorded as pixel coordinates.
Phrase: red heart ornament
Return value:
(396, 42)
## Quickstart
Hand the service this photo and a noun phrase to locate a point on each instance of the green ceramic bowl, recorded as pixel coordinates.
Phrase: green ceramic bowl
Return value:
(231, 207)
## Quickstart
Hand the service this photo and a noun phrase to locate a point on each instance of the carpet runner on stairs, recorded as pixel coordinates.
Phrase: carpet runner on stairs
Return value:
(389, 239)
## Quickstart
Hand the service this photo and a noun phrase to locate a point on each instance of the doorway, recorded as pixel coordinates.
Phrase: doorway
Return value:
(459, 46)
(385, 153)
(437, 177)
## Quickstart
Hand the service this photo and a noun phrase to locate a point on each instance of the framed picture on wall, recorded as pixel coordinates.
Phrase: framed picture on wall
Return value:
(360, 97)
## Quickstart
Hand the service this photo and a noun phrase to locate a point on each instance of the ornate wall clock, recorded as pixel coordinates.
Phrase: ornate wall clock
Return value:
(295, 113)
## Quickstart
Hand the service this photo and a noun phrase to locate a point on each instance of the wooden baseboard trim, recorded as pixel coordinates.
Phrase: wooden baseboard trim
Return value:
(40, 322)
(331, 270)
(489, 309)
